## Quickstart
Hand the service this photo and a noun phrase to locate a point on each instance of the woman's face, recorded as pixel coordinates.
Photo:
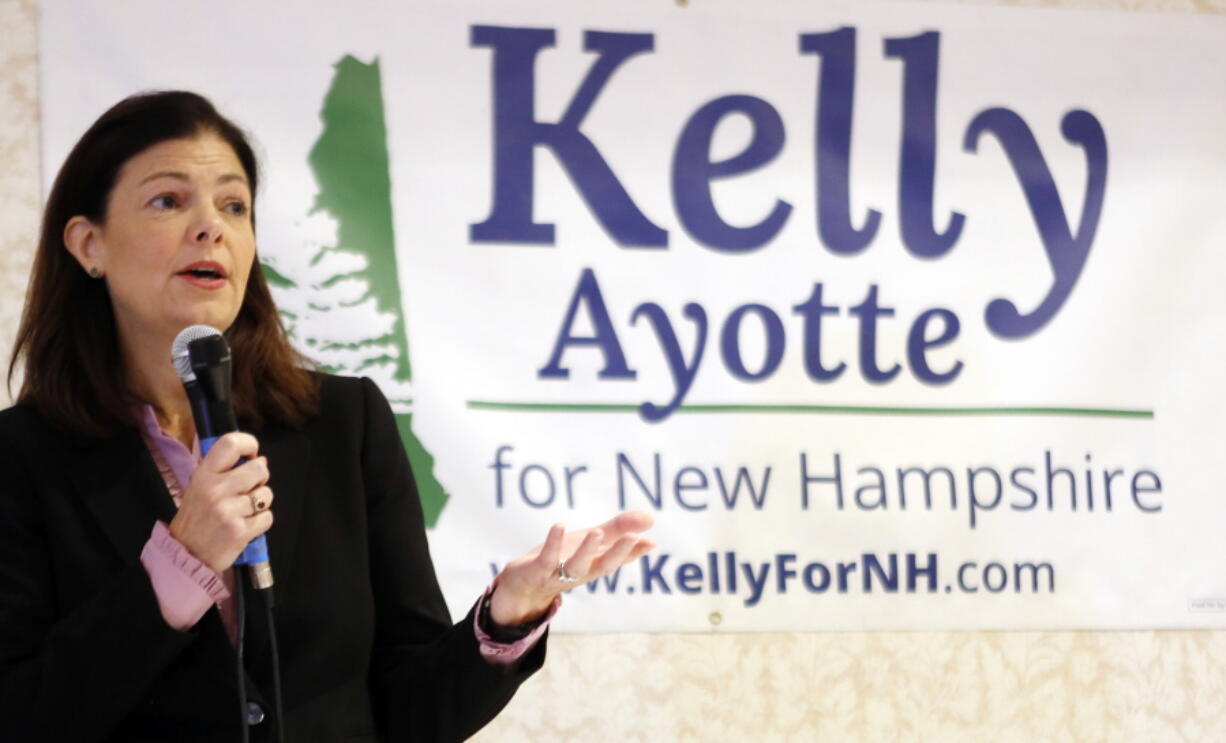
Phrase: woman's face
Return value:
(178, 242)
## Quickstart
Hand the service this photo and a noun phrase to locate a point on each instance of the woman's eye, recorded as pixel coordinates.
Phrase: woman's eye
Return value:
(165, 201)
(237, 208)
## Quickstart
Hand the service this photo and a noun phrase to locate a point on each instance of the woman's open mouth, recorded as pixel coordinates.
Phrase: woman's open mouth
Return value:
(205, 274)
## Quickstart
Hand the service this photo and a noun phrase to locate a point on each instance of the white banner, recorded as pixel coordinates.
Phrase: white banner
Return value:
(896, 316)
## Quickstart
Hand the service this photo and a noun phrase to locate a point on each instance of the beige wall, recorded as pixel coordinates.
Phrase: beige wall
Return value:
(951, 687)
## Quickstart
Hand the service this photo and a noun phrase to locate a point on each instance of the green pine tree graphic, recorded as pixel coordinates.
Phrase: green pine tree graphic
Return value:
(342, 305)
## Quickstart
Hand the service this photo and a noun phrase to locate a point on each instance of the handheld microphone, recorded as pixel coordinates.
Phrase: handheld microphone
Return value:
(202, 360)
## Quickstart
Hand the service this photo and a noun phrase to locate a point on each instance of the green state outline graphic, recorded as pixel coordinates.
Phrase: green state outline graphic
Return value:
(351, 164)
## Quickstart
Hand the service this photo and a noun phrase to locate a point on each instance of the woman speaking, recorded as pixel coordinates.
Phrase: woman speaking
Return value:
(122, 617)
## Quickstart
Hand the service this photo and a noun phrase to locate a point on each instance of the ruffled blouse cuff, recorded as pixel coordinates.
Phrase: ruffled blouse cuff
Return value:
(507, 653)
(185, 587)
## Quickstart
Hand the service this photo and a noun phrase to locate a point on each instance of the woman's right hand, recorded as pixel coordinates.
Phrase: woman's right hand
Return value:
(217, 516)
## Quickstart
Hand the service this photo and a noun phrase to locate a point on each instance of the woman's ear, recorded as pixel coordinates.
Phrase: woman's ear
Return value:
(81, 238)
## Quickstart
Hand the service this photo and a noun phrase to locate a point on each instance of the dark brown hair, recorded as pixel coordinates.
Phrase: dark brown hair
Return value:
(67, 340)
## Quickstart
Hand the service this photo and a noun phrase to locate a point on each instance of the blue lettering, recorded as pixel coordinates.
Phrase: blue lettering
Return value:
(653, 574)
(868, 311)
(784, 571)
(693, 172)
(756, 494)
(730, 343)
(517, 133)
(655, 496)
(918, 344)
(917, 173)
(588, 292)
(679, 487)
(972, 476)
(805, 478)
(1065, 251)
(812, 311)
(757, 581)
(689, 577)
(914, 571)
(1154, 486)
(878, 485)
(835, 100)
(816, 586)
(873, 567)
(683, 373)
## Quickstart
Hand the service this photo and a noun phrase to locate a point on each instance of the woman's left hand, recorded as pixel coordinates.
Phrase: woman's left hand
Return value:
(527, 586)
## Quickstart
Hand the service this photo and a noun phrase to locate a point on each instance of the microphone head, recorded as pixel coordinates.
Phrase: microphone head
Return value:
(179, 354)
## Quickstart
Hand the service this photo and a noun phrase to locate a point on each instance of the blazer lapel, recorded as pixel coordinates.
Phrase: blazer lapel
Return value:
(119, 483)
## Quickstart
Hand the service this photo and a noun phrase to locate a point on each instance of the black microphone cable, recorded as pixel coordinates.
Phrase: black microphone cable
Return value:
(278, 716)
(276, 665)
(240, 638)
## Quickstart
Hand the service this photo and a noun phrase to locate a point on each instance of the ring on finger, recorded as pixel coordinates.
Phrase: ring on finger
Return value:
(564, 576)
(257, 503)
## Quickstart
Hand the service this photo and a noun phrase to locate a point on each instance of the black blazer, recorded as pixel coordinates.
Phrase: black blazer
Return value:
(367, 649)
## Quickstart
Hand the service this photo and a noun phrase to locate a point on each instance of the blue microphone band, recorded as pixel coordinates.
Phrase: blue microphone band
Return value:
(256, 551)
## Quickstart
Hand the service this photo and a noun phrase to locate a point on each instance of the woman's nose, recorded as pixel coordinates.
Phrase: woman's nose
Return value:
(208, 229)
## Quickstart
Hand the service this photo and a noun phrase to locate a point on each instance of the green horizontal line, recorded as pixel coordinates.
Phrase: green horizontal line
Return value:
(543, 407)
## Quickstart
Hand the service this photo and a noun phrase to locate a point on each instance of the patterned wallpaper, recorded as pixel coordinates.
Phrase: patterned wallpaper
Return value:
(19, 162)
(897, 687)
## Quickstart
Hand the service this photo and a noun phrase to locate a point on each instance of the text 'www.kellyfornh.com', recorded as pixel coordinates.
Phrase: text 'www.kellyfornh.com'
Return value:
(730, 574)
